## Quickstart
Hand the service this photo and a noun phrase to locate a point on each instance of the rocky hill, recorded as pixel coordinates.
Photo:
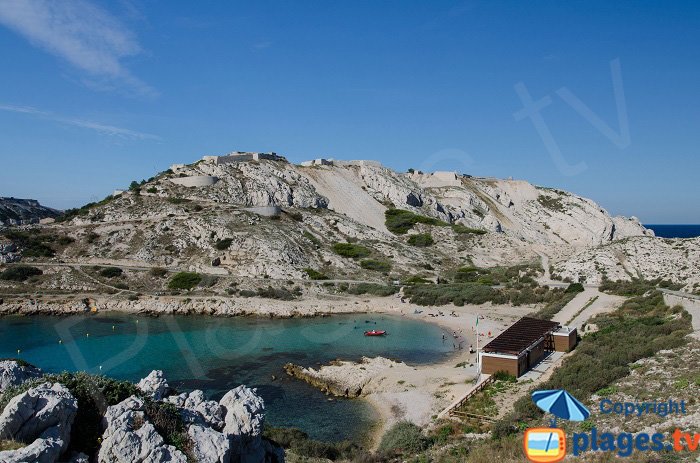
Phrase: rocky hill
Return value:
(248, 216)
(14, 211)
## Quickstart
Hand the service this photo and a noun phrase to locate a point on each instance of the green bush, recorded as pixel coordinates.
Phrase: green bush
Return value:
(403, 438)
(275, 293)
(415, 280)
(373, 264)
(223, 244)
(152, 190)
(369, 288)
(185, 280)
(111, 272)
(399, 221)
(20, 273)
(309, 236)
(166, 418)
(315, 274)
(32, 243)
(575, 288)
(353, 251)
(158, 272)
(462, 230)
(300, 444)
(84, 210)
(455, 293)
(421, 240)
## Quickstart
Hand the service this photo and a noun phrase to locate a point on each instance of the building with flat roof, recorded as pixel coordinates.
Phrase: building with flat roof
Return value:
(243, 156)
(525, 344)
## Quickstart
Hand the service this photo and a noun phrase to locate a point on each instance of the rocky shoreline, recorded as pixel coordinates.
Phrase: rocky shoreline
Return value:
(343, 379)
(47, 418)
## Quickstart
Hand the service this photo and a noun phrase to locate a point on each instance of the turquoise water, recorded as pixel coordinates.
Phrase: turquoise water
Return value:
(217, 354)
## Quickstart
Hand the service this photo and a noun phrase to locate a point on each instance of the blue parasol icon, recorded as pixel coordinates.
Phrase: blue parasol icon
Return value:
(561, 404)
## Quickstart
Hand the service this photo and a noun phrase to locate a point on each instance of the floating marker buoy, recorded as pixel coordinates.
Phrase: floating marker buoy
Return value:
(100, 367)
(87, 335)
(112, 327)
(18, 351)
(60, 341)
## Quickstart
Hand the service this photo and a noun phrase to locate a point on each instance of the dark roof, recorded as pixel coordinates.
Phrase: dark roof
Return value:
(520, 336)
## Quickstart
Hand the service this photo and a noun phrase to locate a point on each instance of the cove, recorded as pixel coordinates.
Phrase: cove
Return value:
(216, 354)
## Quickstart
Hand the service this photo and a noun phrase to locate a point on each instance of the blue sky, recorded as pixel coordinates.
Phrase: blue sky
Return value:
(95, 94)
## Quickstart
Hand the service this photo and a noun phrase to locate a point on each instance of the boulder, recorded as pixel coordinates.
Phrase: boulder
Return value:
(208, 445)
(45, 449)
(45, 407)
(196, 410)
(244, 412)
(14, 374)
(154, 385)
(244, 420)
(130, 438)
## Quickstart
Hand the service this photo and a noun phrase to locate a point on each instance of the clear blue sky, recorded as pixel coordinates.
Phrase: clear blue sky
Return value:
(94, 94)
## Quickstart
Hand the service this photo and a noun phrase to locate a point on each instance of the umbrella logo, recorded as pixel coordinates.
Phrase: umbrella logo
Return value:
(548, 445)
(561, 404)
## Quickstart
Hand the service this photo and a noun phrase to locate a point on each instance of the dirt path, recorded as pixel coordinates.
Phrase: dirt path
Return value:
(585, 305)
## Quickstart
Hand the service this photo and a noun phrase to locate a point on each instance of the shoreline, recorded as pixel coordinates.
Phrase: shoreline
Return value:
(416, 393)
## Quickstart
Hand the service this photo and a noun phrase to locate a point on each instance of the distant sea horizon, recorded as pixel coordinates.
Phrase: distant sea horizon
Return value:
(675, 231)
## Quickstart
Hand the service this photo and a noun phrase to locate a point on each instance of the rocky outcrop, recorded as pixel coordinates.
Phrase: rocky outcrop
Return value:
(649, 258)
(12, 373)
(130, 438)
(243, 423)
(343, 379)
(14, 211)
(41, 417)
(154, 385)
(209, 445)
(195, 409)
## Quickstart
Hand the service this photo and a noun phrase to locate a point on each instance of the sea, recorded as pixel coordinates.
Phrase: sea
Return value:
(217, 354)
(675, 231)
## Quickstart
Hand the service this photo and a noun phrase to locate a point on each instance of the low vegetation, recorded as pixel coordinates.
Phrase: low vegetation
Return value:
(463, 230)
(552, 203)
(315, 274)
(368, 288)
(158, 272)
(636, 287)
(399, 221)
(36, 243)
(374, 264)
(111, 272)
(351, 250)
(184, 280)
(82, 211)
(404, 438)
(20, 273)
(299, 443)
(223, 244)
(278, 293)
(421, 240)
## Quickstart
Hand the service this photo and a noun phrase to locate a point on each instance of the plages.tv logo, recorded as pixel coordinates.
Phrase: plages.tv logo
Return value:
(548, 445)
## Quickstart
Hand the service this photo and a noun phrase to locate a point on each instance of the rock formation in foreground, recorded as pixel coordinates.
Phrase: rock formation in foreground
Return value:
(42, 419)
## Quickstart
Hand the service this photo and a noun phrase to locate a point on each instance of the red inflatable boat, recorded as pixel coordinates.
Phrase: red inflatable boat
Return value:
(375, 333)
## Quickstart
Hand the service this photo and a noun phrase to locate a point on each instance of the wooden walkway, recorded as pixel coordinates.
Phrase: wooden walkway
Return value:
(452, 409)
